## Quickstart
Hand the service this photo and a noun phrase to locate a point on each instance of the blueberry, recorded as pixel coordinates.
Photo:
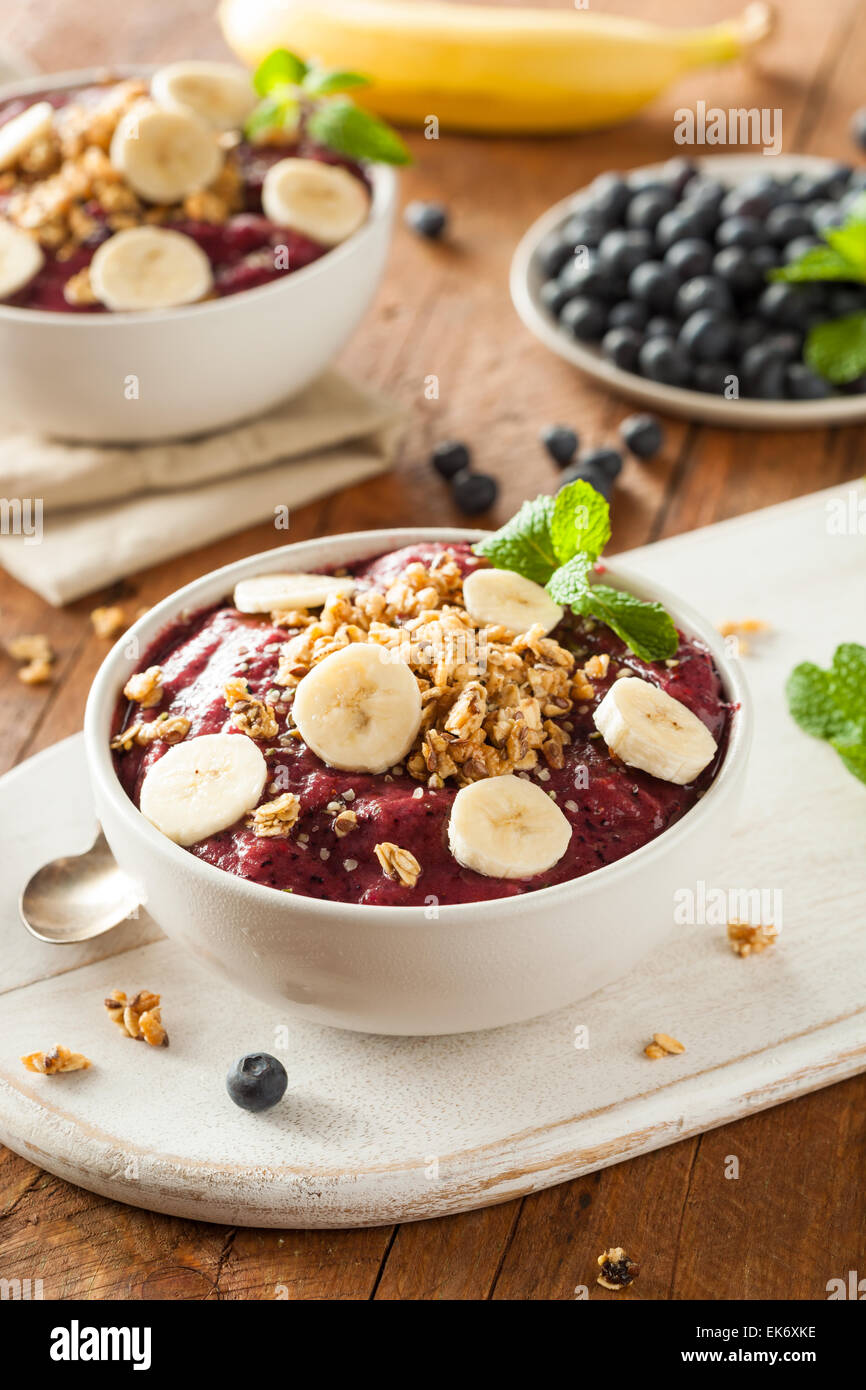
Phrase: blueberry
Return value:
(798, 247)
(749, 332)
(763, 372)
(584, 228)
(552, 254)
(646, 208)
(742, 231)
(621, 346)
(785, 222)
(607, 462)
(714, 377)
(661, 327)
(621, 250)
(678, 173)
(450, 457)
(857, 181)
(474, 492)
(585, 318)
(427, 219)
(609, 196)
(734, 265)
(805, 385)
(790, 306)
(707, 336)
(257, 1081)
(843, 300)
(705, 193)
(561, 443)
(764, 258)
(690, 257)
(653, 284)
(825, 216)
(642, 435)
(586, 274)
(745, 202)
(580, 473)
(681, 222)
(662, 360)
(553, 296)
(628, 314)
(703, 292)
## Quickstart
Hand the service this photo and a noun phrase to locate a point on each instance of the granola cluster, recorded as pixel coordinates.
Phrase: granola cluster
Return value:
(59, 1060)
(139, 1017)
(749, 940)
(617, 1269)
(63, 189)
(492, 702)
(251, 717)
(35, 655)
(275, 818)
(663, 1045)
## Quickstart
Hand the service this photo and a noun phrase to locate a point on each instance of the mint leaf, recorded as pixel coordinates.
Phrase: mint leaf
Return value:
(569, 584)
(831, 704)
(580, 522)
(345, 128)
(821, 263)
(849, 241)
(321, 82)
(280, 69)
(644, 627)
(837, 349)
(524, 544)
(274, 112)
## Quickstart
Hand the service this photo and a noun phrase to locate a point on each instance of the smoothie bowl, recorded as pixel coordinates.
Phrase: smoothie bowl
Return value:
(432, 835)
(162, 272)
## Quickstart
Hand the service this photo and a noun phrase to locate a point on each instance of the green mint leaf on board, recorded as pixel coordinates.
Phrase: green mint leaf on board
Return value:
(274, 112)
(321, 82)
(580, 522)
(820, 263)
(357, 134)
(524, 543)
(280, 69)
(831, 704)
(837, 349)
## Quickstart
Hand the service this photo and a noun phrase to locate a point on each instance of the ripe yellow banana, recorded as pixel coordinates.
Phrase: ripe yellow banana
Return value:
(489, 68)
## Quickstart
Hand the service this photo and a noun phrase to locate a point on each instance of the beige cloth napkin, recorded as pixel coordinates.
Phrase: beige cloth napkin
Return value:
(110, 511)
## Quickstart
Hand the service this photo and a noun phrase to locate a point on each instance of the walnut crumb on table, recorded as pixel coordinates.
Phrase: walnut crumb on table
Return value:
(138, 1018)
(398, 864)
(748, 940)
(617, 1269)
(663, 1045)
(36, 655)
(60, 1060)
(111, 621)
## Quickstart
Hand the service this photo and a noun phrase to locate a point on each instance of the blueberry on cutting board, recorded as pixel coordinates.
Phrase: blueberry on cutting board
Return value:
(561, 443)
(450, 458)
(426, 219)
(474, 492)
(642, 435)
(257, 1081)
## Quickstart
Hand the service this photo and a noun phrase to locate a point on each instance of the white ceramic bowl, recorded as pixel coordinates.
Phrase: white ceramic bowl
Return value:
(199, 368)
(526, 281)
(409, 970)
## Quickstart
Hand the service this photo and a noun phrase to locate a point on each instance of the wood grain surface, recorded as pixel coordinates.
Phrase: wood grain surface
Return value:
(444, 311)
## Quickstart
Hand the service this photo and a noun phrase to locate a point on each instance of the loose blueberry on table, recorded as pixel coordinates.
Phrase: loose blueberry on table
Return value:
(677, 278)
(257, 1081)
(466, 722)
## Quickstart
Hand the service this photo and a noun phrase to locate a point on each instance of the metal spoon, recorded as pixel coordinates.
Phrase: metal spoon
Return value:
(78, 897)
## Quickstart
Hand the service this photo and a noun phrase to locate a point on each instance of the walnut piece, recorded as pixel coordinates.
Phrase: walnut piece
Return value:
(344, 823)
(60, 1060)
(275, 818)
(32, 647)
(748, 940)
(35, 672)
(251, 717)
(107, 622)
(617, 1269)
(138, 1018)
(397, 863)
(145, 688)
(168, 728)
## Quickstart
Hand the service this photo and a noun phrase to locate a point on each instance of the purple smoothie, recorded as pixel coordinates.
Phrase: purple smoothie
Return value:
(615, 812)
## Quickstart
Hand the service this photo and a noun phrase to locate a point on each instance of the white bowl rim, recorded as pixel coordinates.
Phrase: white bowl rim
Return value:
(115, 669)
(679, 400)
(382, 176)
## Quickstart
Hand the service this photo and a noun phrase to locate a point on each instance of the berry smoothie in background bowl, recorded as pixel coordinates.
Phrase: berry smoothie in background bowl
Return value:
(402, 788)
(173, 230)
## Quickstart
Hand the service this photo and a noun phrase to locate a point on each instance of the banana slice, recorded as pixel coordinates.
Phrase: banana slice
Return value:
(164, 155)
(220, 94)
(322, 201)
(359, 709)
(268, 593)
(18, 135)
(507, 827)
(501, 596)
(149, 268)
(202, 786)
(20, 258)
(650, 730)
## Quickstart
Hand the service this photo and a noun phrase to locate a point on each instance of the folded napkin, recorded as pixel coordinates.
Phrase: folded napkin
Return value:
(108, 511)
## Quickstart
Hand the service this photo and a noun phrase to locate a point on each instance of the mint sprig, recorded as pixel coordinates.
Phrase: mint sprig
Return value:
(836, 349)
(831, 704)
(296, 93)
(556, 542)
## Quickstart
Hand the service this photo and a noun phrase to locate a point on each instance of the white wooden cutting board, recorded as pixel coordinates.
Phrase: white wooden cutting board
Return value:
(378, 1129)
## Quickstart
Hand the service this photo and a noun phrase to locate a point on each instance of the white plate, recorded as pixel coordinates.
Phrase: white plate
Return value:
(381, 1129)
(527, 279)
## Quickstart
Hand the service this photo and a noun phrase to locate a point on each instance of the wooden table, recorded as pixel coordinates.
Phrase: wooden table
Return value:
(445, 311)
